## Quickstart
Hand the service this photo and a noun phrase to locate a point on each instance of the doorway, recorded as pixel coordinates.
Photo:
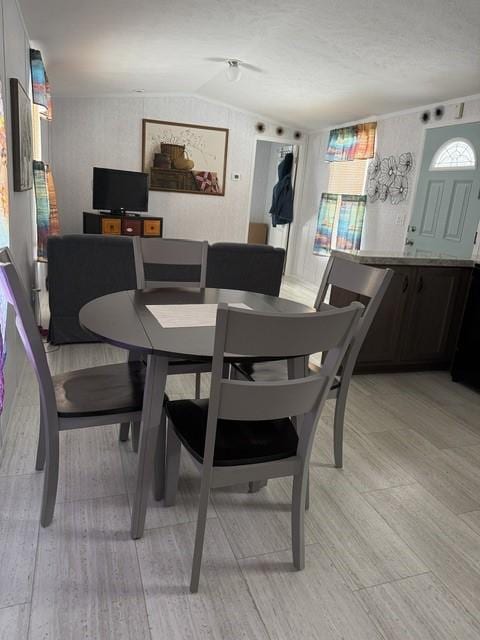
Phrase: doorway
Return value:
(268, 155)
(446, 210)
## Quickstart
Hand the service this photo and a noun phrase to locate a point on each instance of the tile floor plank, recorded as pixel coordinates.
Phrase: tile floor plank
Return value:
(19, 522)
(419, 608)
(447, 474)
(313, 604)
(87, 580)
(363, 547)
(14, 622)
(429, 420)
(446, 544)
(258, 523)
(223, 607)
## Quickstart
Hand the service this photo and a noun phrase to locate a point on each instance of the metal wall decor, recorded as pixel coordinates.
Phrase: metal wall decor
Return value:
(389, 178)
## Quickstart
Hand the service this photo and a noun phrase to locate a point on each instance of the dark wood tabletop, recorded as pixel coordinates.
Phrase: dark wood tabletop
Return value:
(122, 319)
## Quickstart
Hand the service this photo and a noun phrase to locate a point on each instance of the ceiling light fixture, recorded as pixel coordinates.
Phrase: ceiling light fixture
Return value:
(233, 70)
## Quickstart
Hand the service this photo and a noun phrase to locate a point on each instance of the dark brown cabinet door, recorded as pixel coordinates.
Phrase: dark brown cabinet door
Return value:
(380, 349)
(434, 313)
(381, 343)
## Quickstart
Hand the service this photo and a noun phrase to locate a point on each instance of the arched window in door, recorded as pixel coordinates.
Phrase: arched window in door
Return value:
(457, 153)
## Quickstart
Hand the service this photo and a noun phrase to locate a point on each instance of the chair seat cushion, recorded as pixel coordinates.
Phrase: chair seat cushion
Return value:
(237, 442)
(110, 389)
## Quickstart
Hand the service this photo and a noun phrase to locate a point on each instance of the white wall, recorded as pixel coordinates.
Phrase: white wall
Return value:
(385, 224)
(260, 181)
(107, 132)
(15, 64)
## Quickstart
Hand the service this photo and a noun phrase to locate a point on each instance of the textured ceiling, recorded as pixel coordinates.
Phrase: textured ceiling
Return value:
(319, 61)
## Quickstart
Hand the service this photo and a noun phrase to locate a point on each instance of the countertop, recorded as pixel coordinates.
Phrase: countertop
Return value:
(408, 257)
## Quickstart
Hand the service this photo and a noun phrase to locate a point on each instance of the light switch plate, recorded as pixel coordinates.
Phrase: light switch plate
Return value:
(400, 219)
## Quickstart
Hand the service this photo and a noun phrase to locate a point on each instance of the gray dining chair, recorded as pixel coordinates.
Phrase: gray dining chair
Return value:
(245, 431)
(165, 262)
(92, 397)
(368, 285)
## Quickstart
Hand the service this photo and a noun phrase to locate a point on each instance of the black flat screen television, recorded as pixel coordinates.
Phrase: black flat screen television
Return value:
(119, 191)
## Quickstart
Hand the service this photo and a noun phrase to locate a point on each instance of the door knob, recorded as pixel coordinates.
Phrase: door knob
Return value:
(409, 242)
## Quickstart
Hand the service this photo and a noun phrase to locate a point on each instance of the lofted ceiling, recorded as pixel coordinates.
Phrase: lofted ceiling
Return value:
(315, 62)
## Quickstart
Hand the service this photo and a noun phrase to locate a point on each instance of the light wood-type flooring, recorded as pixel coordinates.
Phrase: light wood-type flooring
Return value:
(393, 539)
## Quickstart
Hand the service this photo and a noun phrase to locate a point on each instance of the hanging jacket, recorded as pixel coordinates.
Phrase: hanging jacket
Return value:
(282, 202)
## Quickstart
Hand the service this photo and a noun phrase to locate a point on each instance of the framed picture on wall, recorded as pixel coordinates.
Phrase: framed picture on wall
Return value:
(22, 138)
(187, 158)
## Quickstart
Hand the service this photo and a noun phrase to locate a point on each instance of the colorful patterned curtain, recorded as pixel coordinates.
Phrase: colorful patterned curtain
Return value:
(54, 224)
(4, 239)
(325, 223)
(43, 207)
(40, 84)
(46, 205)
(352, 143)
(350, 222)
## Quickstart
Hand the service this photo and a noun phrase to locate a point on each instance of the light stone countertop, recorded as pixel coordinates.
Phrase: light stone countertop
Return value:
(408, 257)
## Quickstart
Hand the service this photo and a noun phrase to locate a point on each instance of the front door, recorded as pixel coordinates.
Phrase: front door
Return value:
(446, 209)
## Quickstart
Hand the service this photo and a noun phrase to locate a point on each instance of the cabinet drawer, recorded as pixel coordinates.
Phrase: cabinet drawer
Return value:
(111, 226)
(131, 227)
(152, 228)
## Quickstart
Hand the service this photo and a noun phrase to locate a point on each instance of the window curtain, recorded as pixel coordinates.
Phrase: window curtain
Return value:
(4, 238)
(40, 84)
(53, 222)
(352, 143)
(42, 206)
(325, 222)
(350, 221)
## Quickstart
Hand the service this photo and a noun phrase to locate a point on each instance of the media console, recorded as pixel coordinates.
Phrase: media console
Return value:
(125, 225)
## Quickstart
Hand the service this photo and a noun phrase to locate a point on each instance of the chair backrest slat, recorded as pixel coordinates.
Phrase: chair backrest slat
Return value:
(279, 334)
(15, 293)
(170, 262)
(269, 401)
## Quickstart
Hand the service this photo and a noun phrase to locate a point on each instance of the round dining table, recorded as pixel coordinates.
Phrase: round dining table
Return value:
(123, 319)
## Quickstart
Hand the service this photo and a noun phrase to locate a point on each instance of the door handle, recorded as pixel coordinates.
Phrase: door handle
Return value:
(405, 284)
(420, 284)
(409, 242)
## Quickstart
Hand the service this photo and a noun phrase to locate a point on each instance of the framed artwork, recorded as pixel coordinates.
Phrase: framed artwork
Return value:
(22, 139)
(187, 158)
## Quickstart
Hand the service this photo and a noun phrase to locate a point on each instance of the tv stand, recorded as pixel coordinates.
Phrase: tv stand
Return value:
(125, 224)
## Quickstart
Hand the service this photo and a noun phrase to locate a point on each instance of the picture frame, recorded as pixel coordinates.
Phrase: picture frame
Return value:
(184, 158)
(22, 137)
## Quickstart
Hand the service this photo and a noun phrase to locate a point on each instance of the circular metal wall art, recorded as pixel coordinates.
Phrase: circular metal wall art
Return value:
(388, 177)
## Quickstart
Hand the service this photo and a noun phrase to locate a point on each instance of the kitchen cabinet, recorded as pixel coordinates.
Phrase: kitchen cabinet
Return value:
(418, 321)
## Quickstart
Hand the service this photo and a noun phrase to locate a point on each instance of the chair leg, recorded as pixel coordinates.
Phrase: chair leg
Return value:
(40, 461)
(174, 447)
(298, 520)
(198, 382)
(340, 404)
(124, 430)
(135, 435)
(50, 482)
(200, 533)
(159, 468)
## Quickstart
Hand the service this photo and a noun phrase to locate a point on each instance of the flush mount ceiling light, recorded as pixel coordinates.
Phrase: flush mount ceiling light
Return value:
(233, 70)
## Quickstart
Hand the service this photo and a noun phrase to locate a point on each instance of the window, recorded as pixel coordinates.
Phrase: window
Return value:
(454, 154)
(342, 208)
(348, 177)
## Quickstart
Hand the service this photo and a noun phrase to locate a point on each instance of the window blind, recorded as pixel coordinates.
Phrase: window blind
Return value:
(347, 177)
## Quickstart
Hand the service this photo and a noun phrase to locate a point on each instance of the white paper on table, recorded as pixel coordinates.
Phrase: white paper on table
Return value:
(171, 316)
